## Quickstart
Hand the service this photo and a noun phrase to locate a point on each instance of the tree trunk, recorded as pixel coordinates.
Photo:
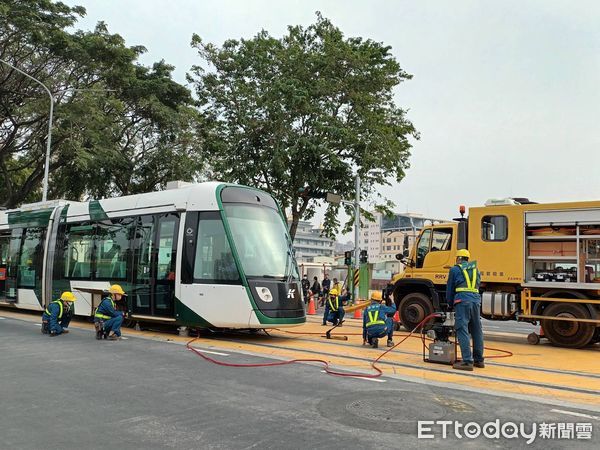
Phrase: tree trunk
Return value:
(294, 224)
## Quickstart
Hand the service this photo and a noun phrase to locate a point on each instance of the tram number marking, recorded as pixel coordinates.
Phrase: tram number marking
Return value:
(291, 293)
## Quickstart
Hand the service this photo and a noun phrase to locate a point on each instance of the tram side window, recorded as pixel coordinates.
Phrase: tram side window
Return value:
(80, 246)
(112, 249)
(214, 259)
(30, 259)
(166, 259)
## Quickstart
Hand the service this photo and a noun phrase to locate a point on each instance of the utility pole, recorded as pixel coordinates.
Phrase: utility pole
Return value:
(49, 140)
(356, 222)
(356, 233)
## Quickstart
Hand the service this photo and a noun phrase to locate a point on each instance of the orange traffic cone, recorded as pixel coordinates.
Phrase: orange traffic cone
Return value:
(397, 317)
(541, 334)
(311, 307)
(358, 313)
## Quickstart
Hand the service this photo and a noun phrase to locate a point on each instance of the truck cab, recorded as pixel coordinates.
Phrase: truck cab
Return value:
(421, 287)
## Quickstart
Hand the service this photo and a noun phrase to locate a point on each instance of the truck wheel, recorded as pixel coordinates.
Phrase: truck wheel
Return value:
(567, 334)
(413, 309)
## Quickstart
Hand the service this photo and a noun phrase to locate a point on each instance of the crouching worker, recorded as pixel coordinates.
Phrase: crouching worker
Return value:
(334, 310)
(57, 315)
(107, 319)
(378, 321)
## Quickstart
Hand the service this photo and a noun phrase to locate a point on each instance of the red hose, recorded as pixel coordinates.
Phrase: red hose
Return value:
(321, 361)
(326, 364)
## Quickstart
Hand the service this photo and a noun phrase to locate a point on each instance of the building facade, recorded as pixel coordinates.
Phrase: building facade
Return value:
(310, 246)
(387, 236)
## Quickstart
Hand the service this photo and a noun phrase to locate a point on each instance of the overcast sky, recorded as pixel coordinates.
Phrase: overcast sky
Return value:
(505, 94)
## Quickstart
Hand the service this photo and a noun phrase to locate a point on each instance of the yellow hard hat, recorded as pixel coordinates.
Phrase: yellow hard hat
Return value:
(377, 296)
(463, 253)
(116, 289)
(334, 292)
(68, 296)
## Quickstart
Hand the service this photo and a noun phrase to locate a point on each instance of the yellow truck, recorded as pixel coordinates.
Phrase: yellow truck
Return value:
(539, 263)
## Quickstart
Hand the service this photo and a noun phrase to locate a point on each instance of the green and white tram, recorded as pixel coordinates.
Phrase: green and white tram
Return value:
(209, 255)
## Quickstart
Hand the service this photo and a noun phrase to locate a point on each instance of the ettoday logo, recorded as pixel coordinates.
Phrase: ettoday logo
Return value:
(429, 429)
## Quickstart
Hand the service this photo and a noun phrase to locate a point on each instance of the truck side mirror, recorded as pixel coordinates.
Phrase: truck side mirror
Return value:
(399, 256)
(406, 252)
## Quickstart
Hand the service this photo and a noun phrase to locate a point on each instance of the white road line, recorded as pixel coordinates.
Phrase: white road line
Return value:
(363, 378)
(490, 326)
(211, 352)
(38, 324)
(573, 413)
(2, 318)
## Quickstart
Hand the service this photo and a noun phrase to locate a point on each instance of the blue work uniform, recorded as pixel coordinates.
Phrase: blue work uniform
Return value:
(112, 318)
(58, 316)
(378, 321)
(334, 310)
(462, 294)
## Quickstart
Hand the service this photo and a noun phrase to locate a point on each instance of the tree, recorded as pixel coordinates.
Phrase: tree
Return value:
(119, 127)
(309, 109)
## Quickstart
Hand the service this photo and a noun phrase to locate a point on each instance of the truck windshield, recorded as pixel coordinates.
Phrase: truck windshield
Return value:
(261, 240)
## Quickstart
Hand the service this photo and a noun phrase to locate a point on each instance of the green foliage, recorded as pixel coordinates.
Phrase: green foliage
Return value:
(119, 127)
(311, 108)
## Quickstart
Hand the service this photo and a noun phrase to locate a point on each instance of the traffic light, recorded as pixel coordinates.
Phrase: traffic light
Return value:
(348, 258)
(363, 257)
(308, 192)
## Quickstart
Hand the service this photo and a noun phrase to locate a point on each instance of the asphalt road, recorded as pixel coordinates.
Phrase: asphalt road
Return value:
(75, 392)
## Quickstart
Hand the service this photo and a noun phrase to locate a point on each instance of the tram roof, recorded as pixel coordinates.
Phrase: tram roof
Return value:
(200, 196)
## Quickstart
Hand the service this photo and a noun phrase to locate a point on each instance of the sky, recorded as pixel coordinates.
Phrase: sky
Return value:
(505, 94)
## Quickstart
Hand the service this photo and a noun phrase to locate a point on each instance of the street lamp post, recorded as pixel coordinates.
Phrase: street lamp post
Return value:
(49, 140)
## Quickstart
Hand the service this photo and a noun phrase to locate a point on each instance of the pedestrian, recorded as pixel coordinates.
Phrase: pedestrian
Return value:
(107, 320)
(462, 295)
(57, 316)
(378, 321)
(334, 310)
(326, 284)
(316, 289)
(387, 293)
(305, 287)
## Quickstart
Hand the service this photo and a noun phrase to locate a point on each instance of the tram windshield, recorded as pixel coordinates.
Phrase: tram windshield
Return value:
(261, 240)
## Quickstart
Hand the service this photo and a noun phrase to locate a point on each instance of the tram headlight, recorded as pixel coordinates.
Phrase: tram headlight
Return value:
(265, 294)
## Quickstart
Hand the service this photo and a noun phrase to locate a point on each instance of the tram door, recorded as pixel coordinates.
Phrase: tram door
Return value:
(4, 262)
(10, 246)
(155, 249)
